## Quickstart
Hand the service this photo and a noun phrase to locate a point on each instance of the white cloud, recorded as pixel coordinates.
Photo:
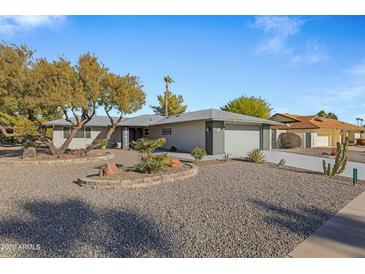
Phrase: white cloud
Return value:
(278, 29)
(314, 53)
(11, 25)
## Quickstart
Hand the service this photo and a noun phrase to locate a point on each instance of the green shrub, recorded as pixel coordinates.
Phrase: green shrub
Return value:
(148, 145)
(226, 156)
(100, 143)
(152, 163)
(198, 153)
(289, 140)
(256, 156)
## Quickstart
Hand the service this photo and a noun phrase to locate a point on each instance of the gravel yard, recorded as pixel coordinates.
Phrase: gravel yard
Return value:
(236, 209)
(354, 154)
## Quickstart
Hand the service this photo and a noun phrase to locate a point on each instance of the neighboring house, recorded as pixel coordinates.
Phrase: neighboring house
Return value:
(215, 130)
(314, 131)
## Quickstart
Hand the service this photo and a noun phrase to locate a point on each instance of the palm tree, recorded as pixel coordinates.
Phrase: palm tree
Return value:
(168, 80)
(361, 120)
(358, 120)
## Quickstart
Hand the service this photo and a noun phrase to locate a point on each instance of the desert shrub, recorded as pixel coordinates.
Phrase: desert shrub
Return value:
(281, 163)
(173, 149)
(226, 156)
(100, 143)
(360, 142)
(198, 153)
(290, 140)
(152, 163)
(148, 145)
(256, 156)
(30, 143)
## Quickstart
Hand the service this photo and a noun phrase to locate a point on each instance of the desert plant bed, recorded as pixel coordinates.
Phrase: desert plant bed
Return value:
(129, 178)
(66, 158)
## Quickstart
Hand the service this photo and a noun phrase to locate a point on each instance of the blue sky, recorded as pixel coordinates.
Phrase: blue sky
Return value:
(300, 64)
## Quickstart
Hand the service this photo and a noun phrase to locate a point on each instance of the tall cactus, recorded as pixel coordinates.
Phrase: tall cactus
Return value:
(340, 161)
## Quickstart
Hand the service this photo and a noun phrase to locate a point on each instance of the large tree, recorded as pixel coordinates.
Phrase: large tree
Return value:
(324, 114)
(72, 89)
(123, 94)
(39, 89)
(14, 71)
(249, 105)
(168, 80)
(169, 103)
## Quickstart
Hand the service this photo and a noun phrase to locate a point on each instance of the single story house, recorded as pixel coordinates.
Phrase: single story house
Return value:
(215, 130)
(314, 131)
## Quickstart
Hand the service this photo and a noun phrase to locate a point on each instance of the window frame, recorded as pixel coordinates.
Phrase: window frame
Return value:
(168, 133)
(146, 129)
(85, 132)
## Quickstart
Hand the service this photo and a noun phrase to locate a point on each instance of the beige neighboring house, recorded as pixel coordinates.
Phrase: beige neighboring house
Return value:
(315, 131)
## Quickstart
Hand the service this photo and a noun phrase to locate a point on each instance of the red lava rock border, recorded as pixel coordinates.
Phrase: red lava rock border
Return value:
(140, 182)
(80, 160)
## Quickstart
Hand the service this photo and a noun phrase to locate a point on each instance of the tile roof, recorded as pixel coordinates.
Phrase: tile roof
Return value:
(316, 122)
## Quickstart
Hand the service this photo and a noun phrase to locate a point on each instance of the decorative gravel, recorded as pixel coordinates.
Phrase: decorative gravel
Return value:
(235, 209)
(357, 155)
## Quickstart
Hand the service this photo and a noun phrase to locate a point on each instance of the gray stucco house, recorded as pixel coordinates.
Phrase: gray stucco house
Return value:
(215, 130)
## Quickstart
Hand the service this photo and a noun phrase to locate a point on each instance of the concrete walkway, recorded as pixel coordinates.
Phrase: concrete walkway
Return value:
(342, 236)
(313, 163)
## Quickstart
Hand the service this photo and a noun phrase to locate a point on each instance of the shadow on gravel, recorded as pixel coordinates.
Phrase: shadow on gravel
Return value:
(307, 220)
(73, 229)
(302, 221)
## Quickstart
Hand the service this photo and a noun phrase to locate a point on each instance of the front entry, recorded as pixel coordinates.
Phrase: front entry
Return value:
(135, 134)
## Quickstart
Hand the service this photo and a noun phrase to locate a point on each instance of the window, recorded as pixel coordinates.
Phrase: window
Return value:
(66, 132)
(146, 132)
(88, 132)
(166, 131)
(82, 133)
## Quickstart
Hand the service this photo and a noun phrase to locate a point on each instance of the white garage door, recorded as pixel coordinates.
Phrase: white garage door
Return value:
(240, 139)
(321, 141)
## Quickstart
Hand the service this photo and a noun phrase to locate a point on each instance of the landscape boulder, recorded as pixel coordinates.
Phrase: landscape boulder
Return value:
(29, 152)
(108, 169)
(176, 163)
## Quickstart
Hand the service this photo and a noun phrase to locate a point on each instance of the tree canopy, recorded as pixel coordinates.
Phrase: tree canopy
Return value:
(324, 114)
(249, 105)
(40, 90)
(175, 104)
(123, 94)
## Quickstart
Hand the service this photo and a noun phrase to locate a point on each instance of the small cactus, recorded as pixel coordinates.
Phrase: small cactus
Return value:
(340, 160)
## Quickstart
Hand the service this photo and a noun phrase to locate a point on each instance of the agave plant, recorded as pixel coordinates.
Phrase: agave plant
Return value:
(256, 156)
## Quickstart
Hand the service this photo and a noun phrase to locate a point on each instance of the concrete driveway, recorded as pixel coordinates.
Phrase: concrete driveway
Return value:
(313, 163)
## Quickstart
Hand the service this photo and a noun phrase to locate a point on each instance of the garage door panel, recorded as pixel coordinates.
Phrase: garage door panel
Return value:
(241, 139)
(321, 141)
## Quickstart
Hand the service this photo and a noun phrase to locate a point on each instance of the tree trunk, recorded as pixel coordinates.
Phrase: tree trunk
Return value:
(110, 132)
(49, 144)
(65, 145)
(5, 133)
(166, 100)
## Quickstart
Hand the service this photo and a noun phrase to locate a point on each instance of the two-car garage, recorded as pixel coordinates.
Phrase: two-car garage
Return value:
(240, 139)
